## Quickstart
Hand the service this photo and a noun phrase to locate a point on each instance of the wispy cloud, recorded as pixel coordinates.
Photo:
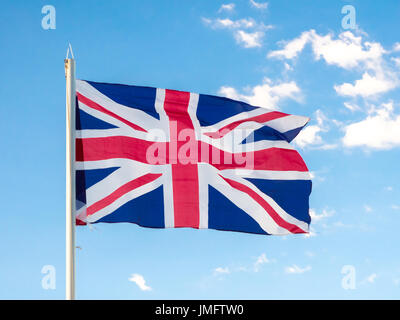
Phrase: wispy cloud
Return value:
(227, 23)
(352, 106)
(221, 270)
(140, 282)
(370, 279)
(259, 5)
(310, 135)
(247, 32)
(229, 7)
(249, 39)
(249, 267)
(396, 47)
(262, 259)
(309, 254)
(311, 233)
(367, 208)
(296, 269)
(317, 217)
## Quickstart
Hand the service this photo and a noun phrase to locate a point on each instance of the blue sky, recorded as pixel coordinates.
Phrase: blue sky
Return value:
(295, 57)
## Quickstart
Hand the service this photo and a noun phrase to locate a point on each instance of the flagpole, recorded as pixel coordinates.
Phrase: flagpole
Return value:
(70, 179)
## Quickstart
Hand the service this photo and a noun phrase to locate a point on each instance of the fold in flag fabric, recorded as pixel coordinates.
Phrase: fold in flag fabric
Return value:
(163, 158)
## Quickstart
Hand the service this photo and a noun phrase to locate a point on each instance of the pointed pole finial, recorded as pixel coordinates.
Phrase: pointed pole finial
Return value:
(69, 50)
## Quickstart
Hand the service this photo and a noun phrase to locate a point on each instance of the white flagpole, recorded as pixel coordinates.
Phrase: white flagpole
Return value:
(70, 178)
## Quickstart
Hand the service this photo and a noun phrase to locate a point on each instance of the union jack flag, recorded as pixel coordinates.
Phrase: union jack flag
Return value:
(167, 159)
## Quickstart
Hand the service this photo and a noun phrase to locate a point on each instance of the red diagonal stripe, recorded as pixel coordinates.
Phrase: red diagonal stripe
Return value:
(260, 119)
(79, 222)
(127, 187)
(268, 209)
(98, 107)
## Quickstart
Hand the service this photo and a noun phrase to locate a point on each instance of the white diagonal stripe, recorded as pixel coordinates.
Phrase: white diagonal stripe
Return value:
(282, 213)
(243, 201)
(124, 199)
(237, 117)
(135, 116)
(287, 123)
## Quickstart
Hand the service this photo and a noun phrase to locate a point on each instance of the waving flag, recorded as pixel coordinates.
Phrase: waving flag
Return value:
(167, 159)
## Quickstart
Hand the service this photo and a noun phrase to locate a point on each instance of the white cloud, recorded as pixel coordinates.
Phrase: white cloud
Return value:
(348, 51)
(247, 32)
(328, 146)
(262, 259)
(317, 217)
(370, 279)
(317, 175)
(321, 220)
(396, 46)
(288, 67)
(229, 92)
(253, 267)
(367, 208)
(389, 188)
(267, 95)
(227, 7)
(395, 207)
(249, 39)
(351, 106)
(311, 233)
(259, 5)
(296, 269)
(368, 85)
(396, 61)
(293, 47)
(229, 24)
(140, 282)
(221, 270)
(309, 136)
(380, 130)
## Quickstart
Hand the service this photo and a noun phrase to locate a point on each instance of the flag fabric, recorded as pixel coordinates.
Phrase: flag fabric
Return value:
(163, 158)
